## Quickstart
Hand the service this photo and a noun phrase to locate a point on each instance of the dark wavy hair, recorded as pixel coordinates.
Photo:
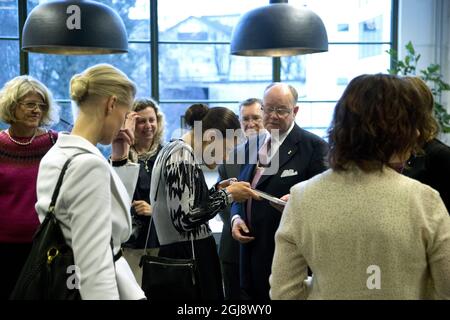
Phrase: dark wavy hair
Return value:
(430, 127)
(376, 118)
(218, 118)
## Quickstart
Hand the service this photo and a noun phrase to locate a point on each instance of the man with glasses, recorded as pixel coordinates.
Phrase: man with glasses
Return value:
(300, 155)
(251, 116)
(251, 119)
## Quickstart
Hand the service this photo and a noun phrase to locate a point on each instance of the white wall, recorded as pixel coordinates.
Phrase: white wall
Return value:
(427, 24)
(417, 24)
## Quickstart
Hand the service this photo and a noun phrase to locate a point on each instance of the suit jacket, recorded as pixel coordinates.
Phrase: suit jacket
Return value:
(301, 156)
(229, 248)
(93, 206)
(433, 168)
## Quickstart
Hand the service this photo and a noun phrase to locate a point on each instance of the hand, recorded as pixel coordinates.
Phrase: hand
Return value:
(225, 183)
(142, 208)
(239, 230)
(279, 207)
(241, 191)
(125, 138)
(130, 121)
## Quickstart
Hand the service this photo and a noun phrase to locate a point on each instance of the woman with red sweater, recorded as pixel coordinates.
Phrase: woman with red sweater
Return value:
(25, 104)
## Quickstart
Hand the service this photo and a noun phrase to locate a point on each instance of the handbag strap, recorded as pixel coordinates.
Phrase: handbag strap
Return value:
(148, 235)
(51, 207)
(52, 138)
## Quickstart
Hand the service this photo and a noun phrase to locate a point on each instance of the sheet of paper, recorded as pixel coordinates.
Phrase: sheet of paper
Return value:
(270, 198)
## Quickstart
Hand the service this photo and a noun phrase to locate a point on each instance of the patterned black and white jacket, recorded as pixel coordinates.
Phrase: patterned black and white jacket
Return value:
(182, 204)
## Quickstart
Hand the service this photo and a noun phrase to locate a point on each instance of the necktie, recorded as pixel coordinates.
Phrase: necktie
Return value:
(263, 155)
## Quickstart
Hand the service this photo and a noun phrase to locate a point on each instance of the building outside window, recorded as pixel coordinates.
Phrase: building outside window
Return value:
(192, 61)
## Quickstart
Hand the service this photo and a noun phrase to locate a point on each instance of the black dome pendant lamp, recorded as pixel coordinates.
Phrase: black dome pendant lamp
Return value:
(277, 30)
(74, 27)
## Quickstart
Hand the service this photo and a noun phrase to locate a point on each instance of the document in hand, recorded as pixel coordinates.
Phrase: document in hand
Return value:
(270, 198)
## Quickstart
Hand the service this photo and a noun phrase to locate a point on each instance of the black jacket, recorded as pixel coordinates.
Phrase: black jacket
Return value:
(301, 157)
(433, 168)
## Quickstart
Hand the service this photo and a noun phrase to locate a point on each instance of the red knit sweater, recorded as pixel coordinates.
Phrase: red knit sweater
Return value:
(18, 174)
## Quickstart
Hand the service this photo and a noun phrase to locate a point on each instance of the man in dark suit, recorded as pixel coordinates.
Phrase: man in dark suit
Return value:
(250, 116)
(229, 248)
(288, 156)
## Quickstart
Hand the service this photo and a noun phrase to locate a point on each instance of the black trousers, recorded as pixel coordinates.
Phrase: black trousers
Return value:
(231, 283)
(13, 257)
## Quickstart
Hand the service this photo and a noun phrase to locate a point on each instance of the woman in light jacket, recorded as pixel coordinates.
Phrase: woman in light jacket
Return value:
(365, 230)
(94, 202)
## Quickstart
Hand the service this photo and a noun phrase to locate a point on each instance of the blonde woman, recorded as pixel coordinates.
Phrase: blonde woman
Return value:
(149, 136)
(26, 105)
(94, 203)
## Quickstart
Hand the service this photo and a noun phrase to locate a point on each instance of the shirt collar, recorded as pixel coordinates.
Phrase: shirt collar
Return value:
(66, 140)
(282, 136)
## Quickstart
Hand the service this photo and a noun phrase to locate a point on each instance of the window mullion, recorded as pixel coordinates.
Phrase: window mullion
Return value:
(23, 55)
(154, 45)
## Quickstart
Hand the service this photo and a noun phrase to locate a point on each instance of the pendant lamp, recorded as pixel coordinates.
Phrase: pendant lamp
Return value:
(277, 30)
(74, 27)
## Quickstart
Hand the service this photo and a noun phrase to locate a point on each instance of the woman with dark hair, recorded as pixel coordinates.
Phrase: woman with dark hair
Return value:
(432, 166)
(183, 205)
(366, 231)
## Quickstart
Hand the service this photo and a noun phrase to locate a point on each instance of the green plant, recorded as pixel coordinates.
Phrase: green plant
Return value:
(431, 75)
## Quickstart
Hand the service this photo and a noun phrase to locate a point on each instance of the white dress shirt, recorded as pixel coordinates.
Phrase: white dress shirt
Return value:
(277, 140)
(275, 144)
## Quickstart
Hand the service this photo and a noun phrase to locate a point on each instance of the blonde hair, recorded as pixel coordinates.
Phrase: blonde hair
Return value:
(102, 80)
(141, 104)
(14, 90)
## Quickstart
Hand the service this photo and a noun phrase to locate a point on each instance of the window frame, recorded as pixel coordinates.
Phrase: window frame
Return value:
(154, 43)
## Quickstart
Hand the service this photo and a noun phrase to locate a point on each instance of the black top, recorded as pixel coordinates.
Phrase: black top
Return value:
(141, 223)
(433, 168)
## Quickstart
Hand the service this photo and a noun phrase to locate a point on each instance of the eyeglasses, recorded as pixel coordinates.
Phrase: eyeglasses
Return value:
(30, 105)
(281, 112)
(251, 118)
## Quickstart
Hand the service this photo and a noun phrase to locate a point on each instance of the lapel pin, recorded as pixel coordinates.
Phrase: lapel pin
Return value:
(289, 152)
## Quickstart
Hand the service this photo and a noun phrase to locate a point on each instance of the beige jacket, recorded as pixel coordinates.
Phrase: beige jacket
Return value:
(365, 236)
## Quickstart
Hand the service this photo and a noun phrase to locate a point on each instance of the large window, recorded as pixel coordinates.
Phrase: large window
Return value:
(9, 41)
(188, 58)
(189, 61)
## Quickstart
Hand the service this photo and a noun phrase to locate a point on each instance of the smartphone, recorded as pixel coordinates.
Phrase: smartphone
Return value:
(270, 198)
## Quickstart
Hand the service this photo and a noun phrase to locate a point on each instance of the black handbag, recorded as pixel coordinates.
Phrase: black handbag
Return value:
(168, 278)
(49, 271)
